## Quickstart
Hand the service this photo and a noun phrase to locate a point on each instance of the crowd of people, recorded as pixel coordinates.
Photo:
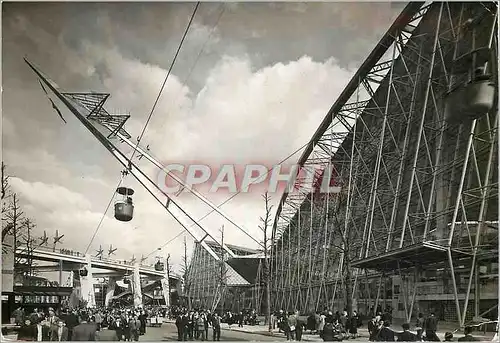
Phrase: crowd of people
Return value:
(128, 324)
(195, 324)
(97, 324)
(339, 326)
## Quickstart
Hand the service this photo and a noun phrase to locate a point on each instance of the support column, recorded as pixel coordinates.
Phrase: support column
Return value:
(165, 285)
(136, 287)
(60, 272)
(110, 290)
(87, 284)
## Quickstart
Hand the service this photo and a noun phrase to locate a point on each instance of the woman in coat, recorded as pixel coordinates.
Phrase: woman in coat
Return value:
(354, 323)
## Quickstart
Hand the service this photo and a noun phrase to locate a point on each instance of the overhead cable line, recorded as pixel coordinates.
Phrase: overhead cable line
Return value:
(234, 195)
(103, 215)
(188, 76)
(148, 120)
(168, 242)
(166, 78)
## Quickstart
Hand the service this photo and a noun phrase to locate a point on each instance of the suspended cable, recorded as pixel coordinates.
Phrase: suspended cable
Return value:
(103, 215)
(231, 197)
(168, 242)
(188, 76)
(149, 118)
(166, 78)
(235, 194)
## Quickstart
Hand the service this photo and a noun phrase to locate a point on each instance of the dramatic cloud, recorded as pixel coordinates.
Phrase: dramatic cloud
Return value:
(238, 111)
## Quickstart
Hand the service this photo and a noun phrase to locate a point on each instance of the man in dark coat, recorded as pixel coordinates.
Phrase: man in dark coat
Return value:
(406, 335)
(186, 326)
(372, 328)
(85, 331)
(59, 333)
(353, 323)
(328, 332)
(71, 320)
(430, 328)
(143, 318)
(180, 327)
(299, 328)
(216, 327)
(385, 334)
(27, 331)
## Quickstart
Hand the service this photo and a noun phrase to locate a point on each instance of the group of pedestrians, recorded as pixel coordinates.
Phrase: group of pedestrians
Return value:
(81, 324)
(380, 330)
(340, 326)
(195, 325)
(326, 324)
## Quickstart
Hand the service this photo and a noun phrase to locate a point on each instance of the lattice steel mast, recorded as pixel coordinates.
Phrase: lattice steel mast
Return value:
(107, 128)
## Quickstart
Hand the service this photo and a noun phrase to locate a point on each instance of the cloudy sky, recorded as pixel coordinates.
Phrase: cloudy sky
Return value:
(251, 84)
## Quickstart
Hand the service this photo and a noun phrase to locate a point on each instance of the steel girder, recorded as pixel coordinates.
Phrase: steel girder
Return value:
(409, 175)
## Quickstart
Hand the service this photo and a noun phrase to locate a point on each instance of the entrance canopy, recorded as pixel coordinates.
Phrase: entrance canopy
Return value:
(246, 266)
(419, 254)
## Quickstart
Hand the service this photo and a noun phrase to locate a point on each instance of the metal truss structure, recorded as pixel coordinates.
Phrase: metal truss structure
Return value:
(415, 224)
(109, 130)
(214, 284)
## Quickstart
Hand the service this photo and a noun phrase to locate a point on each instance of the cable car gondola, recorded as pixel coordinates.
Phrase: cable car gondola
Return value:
(124, 208)
(475, 98)
(159, 266)
(83, 272)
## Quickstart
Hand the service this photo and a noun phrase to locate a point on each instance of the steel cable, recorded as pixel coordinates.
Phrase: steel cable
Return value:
(148, 120)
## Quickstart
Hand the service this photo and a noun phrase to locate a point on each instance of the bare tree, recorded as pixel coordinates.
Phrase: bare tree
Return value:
(5, 182)
(266, 223)
(13, 219)
(6, 205)
(26, 264)
(347, 236)
(185, 272)
(220, 293)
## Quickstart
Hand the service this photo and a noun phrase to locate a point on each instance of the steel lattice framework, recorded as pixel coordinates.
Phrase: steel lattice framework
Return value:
(415, 226)
(108, 129)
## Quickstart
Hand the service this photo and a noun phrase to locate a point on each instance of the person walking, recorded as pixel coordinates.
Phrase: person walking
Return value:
(292, 326)
(385, 334)
(353, 324)
(431, 325)
(59, 333)
(180, 328)
(406, 335)
(420, 326)
(201, 327)
(299, 328)
(328, 332)
(216, 327)
(85, 331)
(372, 328)
(143, 318)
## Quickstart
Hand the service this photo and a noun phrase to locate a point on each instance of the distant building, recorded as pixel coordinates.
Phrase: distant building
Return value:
(230, 286)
